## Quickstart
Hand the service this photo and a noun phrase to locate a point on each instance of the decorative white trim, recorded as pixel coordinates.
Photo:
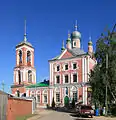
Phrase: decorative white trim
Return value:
(16, 76)
(74, 42)
(24, 46)
(51, 96)
(62, 53)
(82, 69)
(56, 79)
(50, 69)
(56, 68)
(52, 74)
(72, 76)
(27, 93)
(88, 70)
(85, 69)
(31, 58)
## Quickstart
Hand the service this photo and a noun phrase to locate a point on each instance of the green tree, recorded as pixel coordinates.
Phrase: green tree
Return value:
(53, 103)
(73, 103)
(99, 78)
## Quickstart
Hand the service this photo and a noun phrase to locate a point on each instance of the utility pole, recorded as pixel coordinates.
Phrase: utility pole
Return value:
(106, 101)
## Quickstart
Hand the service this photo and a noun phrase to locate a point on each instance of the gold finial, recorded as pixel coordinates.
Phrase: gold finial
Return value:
(76, 25)
(68, 33)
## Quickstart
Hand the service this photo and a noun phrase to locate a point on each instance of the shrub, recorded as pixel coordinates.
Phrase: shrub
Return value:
(73, 103)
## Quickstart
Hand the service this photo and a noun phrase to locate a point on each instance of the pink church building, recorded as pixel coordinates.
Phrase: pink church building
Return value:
(69, 73)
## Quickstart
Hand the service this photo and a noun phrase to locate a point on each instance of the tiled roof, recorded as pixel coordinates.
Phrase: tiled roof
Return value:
(75, 52)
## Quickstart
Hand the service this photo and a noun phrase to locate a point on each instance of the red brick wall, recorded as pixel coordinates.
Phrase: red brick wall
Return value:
(18, 107)
(21, 89)
(67, 55)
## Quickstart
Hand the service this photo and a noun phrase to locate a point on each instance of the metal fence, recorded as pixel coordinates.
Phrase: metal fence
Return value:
(3, 106)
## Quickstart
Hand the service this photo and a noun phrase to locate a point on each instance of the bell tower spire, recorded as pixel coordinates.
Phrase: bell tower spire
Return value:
(25, 35)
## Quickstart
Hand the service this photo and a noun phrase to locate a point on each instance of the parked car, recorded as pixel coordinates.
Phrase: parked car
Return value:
(84, 110)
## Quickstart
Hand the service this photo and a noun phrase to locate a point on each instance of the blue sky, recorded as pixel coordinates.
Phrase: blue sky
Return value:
(48, 22)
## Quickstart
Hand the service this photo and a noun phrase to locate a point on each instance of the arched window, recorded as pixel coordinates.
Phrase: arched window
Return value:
(45, 96)
(28, 56)
(20, 56)
(30, 76)
(19, 76)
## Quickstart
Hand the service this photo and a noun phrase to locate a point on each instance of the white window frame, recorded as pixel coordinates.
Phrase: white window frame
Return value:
(73, 66)
(39, 98)
(46, 99)
(65, 65)
(77, 66)
(64, 78)
(56, 97)
(76, 95)
(55, 67)
(45, 92)
(77, 77)
(72, 77)
(74, 43)
(56, 79)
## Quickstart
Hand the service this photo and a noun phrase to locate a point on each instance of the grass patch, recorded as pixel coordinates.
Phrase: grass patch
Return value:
(25, 117)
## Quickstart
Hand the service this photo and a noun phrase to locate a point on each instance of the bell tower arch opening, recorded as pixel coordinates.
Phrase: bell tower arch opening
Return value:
(20, 57)
(19, 77)
(30, 76)
(28, 57)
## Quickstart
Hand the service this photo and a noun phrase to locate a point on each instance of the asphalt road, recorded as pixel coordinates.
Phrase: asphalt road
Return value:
(54, 115)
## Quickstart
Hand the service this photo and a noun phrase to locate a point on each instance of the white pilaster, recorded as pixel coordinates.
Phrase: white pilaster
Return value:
(83, 78)
(27, 93)
(52, 73)
(82, 69)
(24, 74)
(17, 57)
(88, 70)
(85, 65)
(16, 76)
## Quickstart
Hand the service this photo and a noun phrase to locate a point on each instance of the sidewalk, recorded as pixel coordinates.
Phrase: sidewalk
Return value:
(103, 118)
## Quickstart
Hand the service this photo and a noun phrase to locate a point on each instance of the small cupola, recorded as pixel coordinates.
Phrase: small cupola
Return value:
(76, 37)
(90, 46)
(62, 48)
(68, 41)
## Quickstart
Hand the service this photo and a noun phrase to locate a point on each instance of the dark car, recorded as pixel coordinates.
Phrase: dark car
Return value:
(85, 110)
